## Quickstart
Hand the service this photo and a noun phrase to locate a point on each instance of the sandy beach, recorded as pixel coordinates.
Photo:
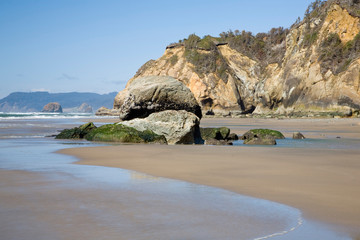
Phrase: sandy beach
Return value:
(323, 183)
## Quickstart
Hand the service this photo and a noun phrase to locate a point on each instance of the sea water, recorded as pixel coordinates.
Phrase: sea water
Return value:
(90, 202)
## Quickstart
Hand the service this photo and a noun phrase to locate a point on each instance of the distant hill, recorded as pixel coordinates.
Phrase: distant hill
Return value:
(35, 101)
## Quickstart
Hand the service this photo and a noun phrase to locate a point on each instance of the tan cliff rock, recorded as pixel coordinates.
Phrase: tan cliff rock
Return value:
(300, 82)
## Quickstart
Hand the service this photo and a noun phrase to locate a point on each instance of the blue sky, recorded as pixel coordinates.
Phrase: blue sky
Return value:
(98, 45)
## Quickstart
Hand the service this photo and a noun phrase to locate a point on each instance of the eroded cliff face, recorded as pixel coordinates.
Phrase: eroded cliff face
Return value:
(300, 82)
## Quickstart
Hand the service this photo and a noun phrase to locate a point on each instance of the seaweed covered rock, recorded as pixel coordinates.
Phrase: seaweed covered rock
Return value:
(218, 136)
(178, 127)
(221, 133)
(145, 95)
(123, 134)
(77, 132)
(262, 133)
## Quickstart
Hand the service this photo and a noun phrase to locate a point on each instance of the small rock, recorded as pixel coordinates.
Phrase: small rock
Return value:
(212, 141)
(256, 140)
(103, 111)
(215, 133)
(232, 137)
(298, 135)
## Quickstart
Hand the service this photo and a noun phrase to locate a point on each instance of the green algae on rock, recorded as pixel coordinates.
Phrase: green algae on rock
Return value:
(221, 133)
(111, 133)
(123, 134)
(261, 133)
(76, 132)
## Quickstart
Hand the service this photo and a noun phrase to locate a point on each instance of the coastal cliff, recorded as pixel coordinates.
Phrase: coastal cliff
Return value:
(312, 67)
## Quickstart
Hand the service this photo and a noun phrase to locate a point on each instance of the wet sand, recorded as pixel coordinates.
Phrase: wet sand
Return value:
(323, 183)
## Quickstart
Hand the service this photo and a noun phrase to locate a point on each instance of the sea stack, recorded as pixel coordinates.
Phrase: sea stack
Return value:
(52, 107)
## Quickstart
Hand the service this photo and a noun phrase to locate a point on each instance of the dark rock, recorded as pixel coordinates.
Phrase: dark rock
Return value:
(264, 140)
(298, 135)
(215, 133)
(77, 132)
(232, 137)
(212, 141)
(261, 133)
(52, 107)
(146, 95)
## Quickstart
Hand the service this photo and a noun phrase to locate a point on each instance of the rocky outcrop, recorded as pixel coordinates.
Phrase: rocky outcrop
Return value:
(145, 95)
(178, 127)
(103, 111)
(52, 107)
(309, 75)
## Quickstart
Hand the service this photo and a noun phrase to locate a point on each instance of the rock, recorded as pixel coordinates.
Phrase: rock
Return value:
(111, 133)
(103, 111)
(77, 132)
(213, 141)
(52, 107)
(215, 133)
(264, 140)
(298, 135)
(145, 95)
(178, 127)
(123, 134)
(262, 133)
(232, 137)
(85, 108)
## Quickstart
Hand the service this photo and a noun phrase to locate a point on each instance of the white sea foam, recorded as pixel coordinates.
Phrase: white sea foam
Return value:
(41, 115)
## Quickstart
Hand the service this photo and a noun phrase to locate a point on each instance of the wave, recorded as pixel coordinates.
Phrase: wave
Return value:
(42, 115)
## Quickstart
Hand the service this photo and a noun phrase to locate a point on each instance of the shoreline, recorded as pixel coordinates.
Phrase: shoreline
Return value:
(322, 183)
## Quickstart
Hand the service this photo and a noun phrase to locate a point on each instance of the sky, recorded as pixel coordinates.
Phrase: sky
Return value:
(98, 45)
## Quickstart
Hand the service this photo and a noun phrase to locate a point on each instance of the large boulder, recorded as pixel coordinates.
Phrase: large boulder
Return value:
(52, 107)
(178, 127)
(145, 95)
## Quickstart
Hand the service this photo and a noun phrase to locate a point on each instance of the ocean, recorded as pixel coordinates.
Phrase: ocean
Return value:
(43, 195)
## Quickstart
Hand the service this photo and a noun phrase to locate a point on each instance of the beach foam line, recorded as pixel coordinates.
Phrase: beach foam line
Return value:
(299, 223)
